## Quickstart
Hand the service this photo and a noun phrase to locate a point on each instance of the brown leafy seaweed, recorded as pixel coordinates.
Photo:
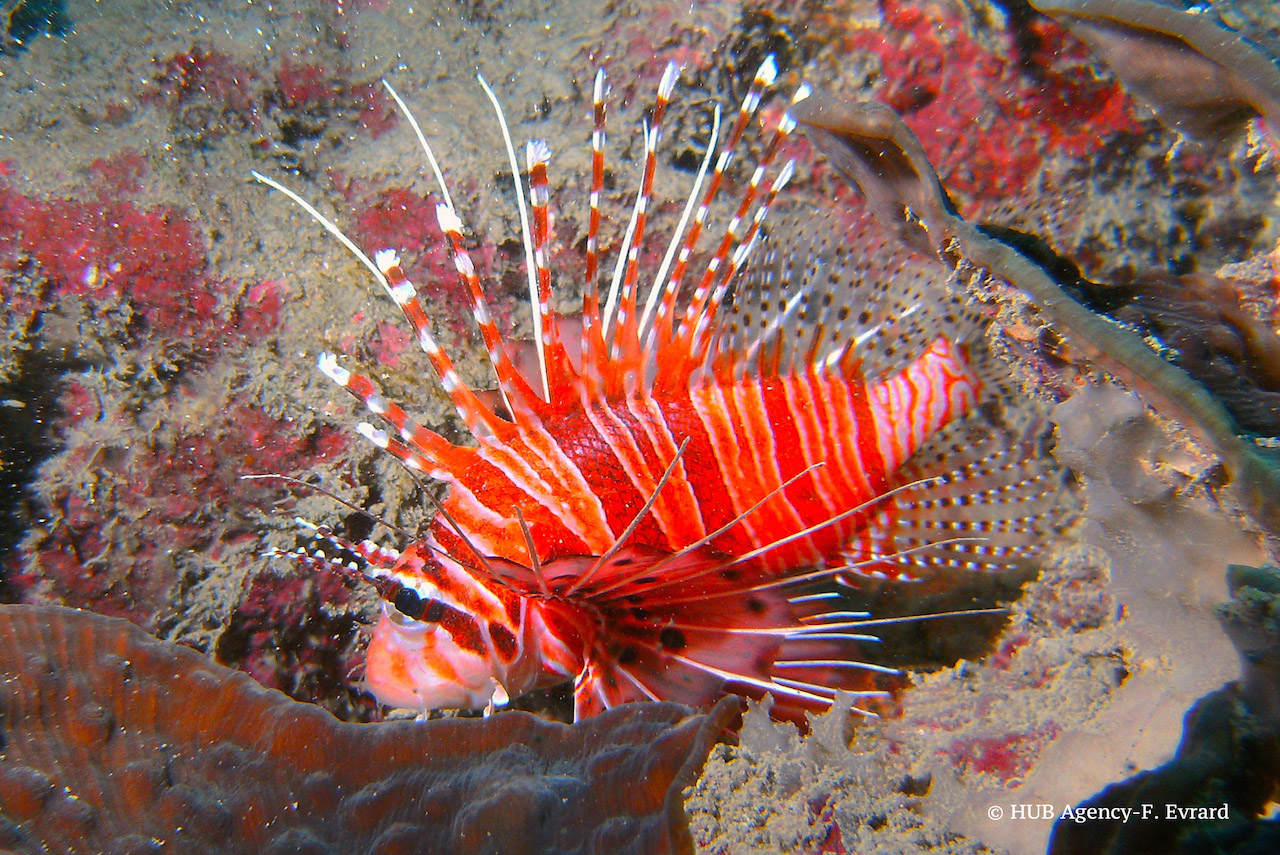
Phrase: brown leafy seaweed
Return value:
(876, 151)
(1202, 78)
(112, 741)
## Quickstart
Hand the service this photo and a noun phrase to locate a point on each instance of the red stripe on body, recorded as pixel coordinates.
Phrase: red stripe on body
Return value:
(755, 433)
(902, 407)
(677, 505)
(581, 510)
(803, 410)
(500, 494)
(793, 453)
(702, 472)
(729, 458)
(872, 463)
(846, 435)
(635, 455)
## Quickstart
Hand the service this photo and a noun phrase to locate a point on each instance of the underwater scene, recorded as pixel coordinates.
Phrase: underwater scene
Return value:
(640, 427)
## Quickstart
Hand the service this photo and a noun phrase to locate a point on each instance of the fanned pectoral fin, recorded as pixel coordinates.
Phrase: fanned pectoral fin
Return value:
(751, 642)
(686, 651)
(989, 496)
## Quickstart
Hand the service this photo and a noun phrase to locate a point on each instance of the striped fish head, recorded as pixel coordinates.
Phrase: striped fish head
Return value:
(446, 638)
(416, 664)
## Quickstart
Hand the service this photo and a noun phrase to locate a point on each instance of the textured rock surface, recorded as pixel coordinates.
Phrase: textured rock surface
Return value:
(116, 742)
(1228, 760)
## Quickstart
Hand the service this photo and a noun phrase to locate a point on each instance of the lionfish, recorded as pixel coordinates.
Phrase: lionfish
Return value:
(650, 515)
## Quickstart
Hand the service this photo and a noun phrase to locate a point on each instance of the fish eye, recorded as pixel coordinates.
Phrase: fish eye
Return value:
(409, 604)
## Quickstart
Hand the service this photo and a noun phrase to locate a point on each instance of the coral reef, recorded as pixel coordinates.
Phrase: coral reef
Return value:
(159, 322)
(945, 80)
(1203, 81)
(117, 742)
(120, 297)
(901, 784)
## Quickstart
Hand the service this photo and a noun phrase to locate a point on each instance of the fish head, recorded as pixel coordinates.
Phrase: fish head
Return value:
(418, 664)
(444, 638)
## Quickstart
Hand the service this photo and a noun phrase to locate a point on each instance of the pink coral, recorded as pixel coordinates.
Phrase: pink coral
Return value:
(1007, 757)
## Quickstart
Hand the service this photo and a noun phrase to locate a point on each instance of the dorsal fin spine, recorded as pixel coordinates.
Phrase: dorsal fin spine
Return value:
(429, 443)
(519, 398)
(480, 420)
(703, 329)
(593, 352)
(662, 297)
(524, 229)
(764, 77)
(626, 341)
(559, 372)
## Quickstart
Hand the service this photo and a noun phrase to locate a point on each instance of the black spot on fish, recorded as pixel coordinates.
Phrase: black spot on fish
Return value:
(672, 639)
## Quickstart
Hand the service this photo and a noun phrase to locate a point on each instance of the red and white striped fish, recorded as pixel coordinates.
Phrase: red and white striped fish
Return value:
(649, 515)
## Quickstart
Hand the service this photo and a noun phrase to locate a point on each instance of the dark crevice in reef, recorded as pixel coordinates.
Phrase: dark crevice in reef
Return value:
(761, 32)
(23, 20)
(1025, 40)
(1100, 298)
(1197, 320)
(28, 409)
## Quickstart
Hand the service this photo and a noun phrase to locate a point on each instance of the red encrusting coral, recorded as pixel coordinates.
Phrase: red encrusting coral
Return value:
(1007, 757)
(257, 310)
(209, 95)
(149, 263)
(144, 485)
(171, 490)
(984, 121)
(379, 113)
(403, 219)
(120, 174)
(822, 814)
(399, 218)
(683, 43)
(207, 73)
(306, 86)
(206, 91)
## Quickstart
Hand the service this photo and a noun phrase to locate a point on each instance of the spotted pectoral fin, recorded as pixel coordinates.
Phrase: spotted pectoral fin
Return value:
(984, 494)
(816, 291)
(684, 651)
